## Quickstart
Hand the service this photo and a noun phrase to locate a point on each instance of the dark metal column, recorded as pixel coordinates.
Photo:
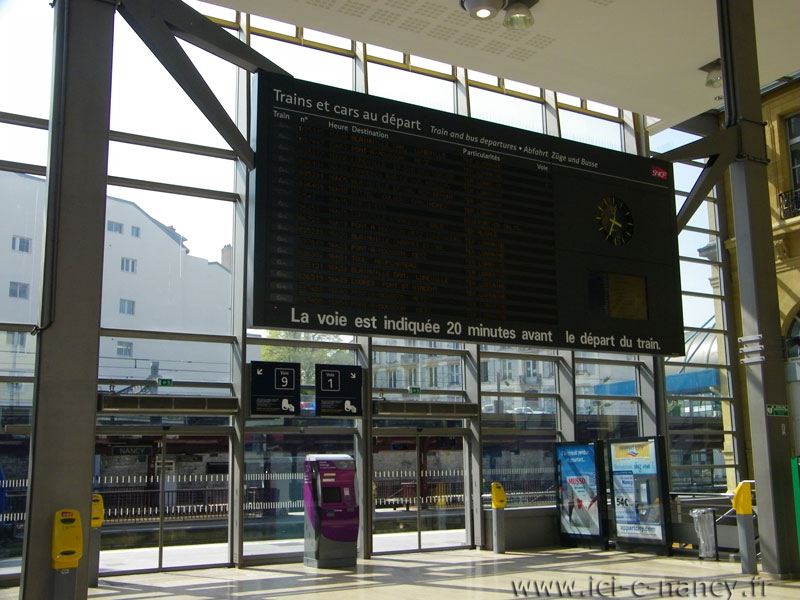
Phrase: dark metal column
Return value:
(63, 434)
(760, 344)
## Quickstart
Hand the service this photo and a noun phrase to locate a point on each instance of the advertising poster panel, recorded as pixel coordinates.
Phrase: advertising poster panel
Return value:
(581, 491)
(640, 509)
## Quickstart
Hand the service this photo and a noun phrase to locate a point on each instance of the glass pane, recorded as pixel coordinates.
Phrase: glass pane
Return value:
(326, 38)
(605, 419)
(14, 452)
(414, 88)
(482, 78)
(23, 144)
(685, 176)
(16, 402)
(698, 244)
(442, 492)
(696, 380)
(272, 25)
(211, 10)
(307, 63)
(195, 472)
(431, 65)
(700, 278)
(701, 312)
(394, 490)
(26, 32)
(165, 264)
(524, 88)
(273, 496)
(519, 413)
(590, 130)
(128, 480)
(670, 139)
(563, 98)
(605, 380)
(146, 100)
(518, 375)
(605, 109)
(428, 371)
(23, 200)
(705, 217)
(506, 110)
(379, 52)
(168, 166)
(148, 359)
(703, 456)
(525, 467)
(705, 347)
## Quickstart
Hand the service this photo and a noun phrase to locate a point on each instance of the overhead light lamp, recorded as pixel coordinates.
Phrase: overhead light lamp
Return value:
(518, 12)
(713, 71)
(518, 15)
(482, 9)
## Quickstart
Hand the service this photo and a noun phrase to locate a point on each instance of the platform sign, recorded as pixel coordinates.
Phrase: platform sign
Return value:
(375, 217)
(274, 389)
(339, 391)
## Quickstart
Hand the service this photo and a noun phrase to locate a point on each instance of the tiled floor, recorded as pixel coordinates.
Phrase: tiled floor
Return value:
(460, 574)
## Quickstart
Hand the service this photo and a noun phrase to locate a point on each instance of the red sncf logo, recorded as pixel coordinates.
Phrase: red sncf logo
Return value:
(659, 172)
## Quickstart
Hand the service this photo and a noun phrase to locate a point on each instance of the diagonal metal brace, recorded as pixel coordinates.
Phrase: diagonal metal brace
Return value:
(721, 148)
(157, 22)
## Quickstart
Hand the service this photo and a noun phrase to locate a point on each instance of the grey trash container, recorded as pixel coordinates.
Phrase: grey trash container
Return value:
(706, 529)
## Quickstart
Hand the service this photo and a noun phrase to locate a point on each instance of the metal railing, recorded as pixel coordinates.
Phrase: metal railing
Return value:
(789, 202)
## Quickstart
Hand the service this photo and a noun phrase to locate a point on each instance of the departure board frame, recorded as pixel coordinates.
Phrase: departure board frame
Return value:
(369, 216)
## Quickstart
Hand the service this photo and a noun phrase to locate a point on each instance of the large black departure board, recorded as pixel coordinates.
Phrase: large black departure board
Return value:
(375, 217)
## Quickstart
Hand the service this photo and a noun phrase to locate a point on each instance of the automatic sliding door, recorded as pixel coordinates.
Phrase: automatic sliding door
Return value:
(395, 523)
(442, 509)
(195, 501)
(418, 489)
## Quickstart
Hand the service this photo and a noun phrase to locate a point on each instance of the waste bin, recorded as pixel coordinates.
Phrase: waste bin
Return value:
(706, 528)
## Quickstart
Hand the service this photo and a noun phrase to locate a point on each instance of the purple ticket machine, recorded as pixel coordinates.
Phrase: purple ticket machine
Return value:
(331, 511)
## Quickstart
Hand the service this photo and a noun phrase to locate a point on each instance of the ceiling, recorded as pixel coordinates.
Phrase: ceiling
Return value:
(641, 55)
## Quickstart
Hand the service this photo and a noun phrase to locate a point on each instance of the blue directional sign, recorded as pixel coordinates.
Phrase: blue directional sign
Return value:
(338, 391)
(274, 388)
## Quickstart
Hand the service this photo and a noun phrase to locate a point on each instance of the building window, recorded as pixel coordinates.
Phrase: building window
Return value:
(530, 368)
(794, 150)
(508, 369)
(484, 371)
(17, 289)
(790, 199)
(16, 339)
(412, 377)
(114, 227)
(127, 307)
(433, 376)
(391, 379)
(136, 231)
(125, 349)
(454, 372)
(21, 244)
(128, 265)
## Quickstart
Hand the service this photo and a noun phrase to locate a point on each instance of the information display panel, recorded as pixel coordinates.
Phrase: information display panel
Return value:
(581, 492)
(375, 217)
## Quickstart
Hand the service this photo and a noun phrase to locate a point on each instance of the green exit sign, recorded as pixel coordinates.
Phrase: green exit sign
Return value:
(165, 382)
(777, 410)
(414, 390)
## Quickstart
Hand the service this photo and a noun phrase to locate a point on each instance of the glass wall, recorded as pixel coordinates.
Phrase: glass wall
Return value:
(169, 326)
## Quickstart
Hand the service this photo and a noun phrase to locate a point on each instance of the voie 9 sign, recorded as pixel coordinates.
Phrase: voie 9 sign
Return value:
(375, 217)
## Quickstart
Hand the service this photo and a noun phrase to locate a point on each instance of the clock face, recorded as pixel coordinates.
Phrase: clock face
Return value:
(614, 221)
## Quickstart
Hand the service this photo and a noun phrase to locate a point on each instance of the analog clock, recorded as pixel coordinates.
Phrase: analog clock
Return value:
(614, 220)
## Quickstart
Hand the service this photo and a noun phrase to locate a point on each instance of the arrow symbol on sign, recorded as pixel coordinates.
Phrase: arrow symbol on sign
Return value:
(259, 371)
(352, 375)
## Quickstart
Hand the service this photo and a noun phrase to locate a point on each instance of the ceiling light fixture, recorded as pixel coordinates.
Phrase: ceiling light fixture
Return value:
(713, 71)
(518, 12)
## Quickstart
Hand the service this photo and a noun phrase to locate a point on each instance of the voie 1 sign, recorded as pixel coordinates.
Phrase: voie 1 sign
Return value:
(375, 217)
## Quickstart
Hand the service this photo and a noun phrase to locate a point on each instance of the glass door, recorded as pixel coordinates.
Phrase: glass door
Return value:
(165, 499)
(441, 500)
(418, 492)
